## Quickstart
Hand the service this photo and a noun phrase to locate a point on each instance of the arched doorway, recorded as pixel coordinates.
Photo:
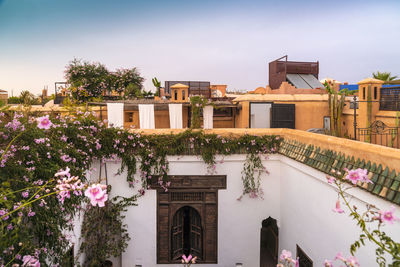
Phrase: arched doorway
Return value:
(269, 244)
(186, 234)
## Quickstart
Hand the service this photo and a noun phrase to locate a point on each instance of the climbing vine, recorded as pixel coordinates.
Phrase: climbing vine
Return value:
(198, 102)
(75, 142)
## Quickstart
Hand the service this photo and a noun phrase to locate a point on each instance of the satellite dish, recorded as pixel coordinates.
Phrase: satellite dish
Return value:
(216, 93)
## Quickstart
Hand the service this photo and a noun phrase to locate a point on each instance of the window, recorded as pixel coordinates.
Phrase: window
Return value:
(129, 117)
(186, 234)
(176, 94)
(364, 93)
(304, 260)
(375, 92)
(223, 112)
(187, 218)
(327, 123)
(183, 94)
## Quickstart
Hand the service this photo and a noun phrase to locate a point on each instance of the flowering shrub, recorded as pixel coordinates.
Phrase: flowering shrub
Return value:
(36, 208)
(370, 221)
(90, 80)
(123, 78)
(44, 163)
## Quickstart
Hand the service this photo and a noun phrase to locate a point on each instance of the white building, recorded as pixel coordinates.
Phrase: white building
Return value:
(201, 213)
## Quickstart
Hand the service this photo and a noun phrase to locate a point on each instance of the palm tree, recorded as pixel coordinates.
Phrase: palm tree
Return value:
(27, 97)
(384, 76)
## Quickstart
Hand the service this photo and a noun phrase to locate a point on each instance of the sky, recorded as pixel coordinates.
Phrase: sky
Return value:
(221, 41)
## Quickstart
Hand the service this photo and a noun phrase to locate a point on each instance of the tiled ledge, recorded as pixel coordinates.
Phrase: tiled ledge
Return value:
(388, 157)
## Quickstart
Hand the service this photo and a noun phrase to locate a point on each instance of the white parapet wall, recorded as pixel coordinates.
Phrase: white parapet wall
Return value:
(297, 196)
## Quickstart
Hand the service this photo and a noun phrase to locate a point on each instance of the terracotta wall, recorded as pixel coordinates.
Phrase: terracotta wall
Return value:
(287, 88)
(309, 114)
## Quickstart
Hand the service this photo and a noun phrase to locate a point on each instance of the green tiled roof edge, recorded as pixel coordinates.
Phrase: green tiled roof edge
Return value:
(386, 183)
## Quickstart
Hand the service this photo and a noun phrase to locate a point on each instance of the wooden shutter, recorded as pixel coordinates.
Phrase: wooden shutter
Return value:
(196, 234)
(283, 116)
(177, 235)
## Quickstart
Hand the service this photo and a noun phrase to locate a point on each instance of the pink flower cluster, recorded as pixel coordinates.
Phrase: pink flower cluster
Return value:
(357, 175)
(350, 261)
(287, 260)
(30, 261)
(187, 261)
(67, 185)
(97, 193)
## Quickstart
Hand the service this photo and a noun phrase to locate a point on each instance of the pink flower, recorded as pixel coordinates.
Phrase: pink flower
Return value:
(338, 209)
(44, 122)
(328, 263)
(339, 256)
(388, 216)
(285, 255)
(30, 261)
(352, 261)
(63, 173)
(186, 259)
(97, 194)
(358, 175)
(330, 179)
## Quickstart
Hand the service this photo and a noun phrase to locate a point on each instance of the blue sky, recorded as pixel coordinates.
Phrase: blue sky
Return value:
(225, 42)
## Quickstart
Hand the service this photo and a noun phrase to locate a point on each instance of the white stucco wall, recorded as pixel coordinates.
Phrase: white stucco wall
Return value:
(296, 195)
(307, 218)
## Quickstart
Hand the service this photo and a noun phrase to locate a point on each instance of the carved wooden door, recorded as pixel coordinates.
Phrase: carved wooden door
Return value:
(195, 234)
(177, 235)
(269, 243)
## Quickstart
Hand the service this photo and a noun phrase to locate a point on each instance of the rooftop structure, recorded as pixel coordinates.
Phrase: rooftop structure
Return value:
(302, 75)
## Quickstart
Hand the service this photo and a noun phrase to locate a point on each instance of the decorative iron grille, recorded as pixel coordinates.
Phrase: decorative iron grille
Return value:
(380, 134)
(390, 99)
(186, 196)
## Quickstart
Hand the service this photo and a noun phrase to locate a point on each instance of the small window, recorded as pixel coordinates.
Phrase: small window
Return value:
(375, 92)
(304, 260)
(129, 117)
(364, 93)
(327, 123)
(175, 94)
(223, 112)
(183, 94)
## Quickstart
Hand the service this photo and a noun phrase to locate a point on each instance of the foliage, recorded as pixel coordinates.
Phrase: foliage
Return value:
(127, 77)
(26, 98)
(384, 76)
(91, 80)
(197, 103)
(157, 85)
(26, 169)
(88, 80)
(103, 232)
(371, 221)
(32, 155)
(347, 92)
(335, 107)
(14, 100)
